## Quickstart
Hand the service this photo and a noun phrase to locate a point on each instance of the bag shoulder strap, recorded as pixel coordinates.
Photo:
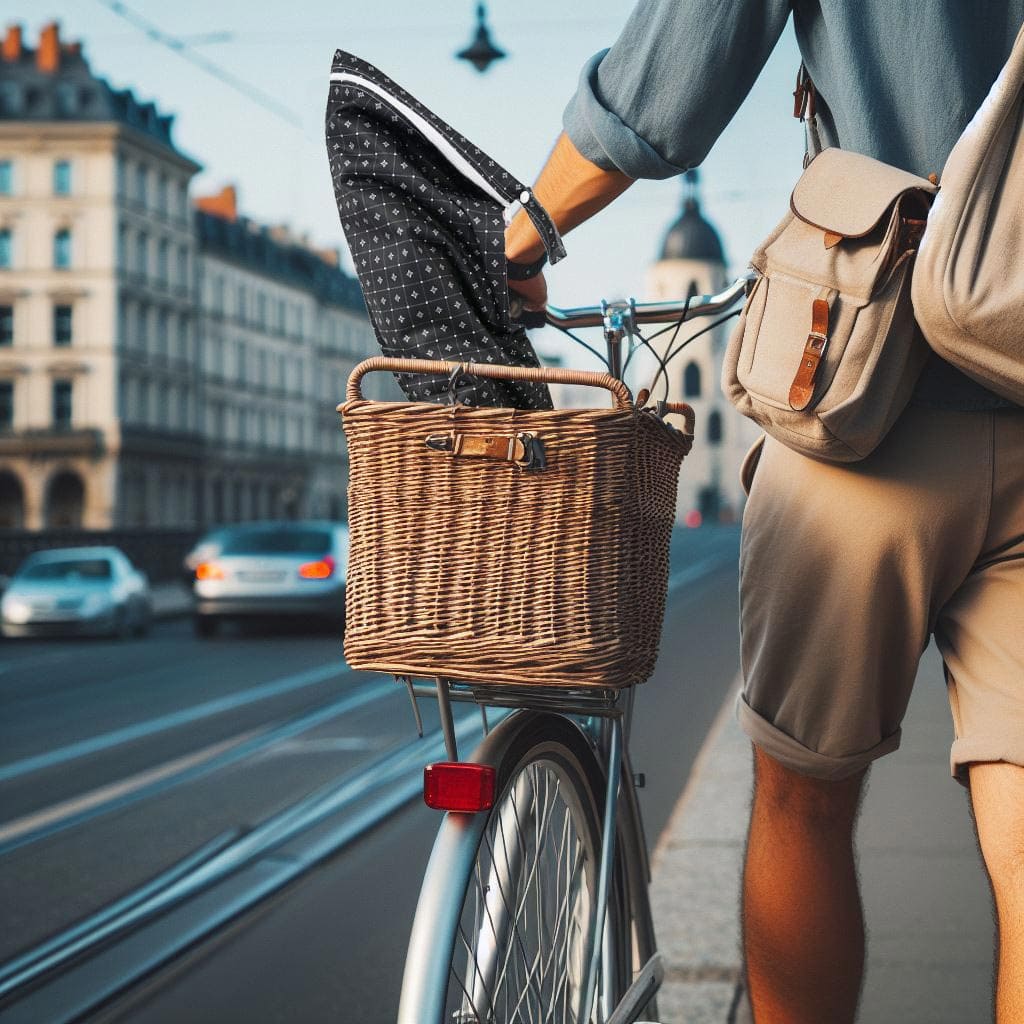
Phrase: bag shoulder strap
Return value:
(805, 109)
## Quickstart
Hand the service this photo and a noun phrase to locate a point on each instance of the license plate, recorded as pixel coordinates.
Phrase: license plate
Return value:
(261, 577)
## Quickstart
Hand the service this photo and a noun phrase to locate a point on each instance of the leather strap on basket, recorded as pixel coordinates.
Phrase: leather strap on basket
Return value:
(500, 447)
(802, 389)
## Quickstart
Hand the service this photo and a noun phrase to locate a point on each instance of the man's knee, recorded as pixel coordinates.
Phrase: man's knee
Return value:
(816, 803)
(997, 799)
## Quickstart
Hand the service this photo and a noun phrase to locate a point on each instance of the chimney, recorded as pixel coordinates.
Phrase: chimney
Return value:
(224, 204)
(12, 43)
(48, 54)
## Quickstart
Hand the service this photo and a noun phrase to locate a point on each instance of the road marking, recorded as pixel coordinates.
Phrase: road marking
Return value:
(116, 790)
(328, 745)
(697, 571)
(245, 748)
(95, 744)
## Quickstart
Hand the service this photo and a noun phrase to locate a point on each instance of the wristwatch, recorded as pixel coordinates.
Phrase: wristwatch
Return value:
(524, 271)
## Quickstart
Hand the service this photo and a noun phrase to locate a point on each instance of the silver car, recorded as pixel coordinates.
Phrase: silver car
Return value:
(76, 590)
(272, 569)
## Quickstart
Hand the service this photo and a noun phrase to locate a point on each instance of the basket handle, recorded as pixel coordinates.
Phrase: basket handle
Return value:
(544, 375)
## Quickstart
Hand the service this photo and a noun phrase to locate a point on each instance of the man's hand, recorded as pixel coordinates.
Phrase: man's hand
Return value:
(534, 292)
(571, 189)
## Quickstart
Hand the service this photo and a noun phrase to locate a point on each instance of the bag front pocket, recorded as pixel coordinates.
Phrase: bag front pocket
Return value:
(773, 343)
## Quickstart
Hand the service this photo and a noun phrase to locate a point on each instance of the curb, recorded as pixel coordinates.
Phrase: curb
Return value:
(695, 889)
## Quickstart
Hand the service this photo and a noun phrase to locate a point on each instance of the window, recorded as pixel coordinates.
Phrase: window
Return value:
(715, 428)
(122, 248)
(161, 406)
(140, 184)
(161, 193)
(6, 178)
(62, 178)
(122, 177)
(691, 381)
(261, 309)
(62, 325)
(62, 249)
(243, 303)
(143, 329)
(62, 404)
(6, 326)
(162, 333)
(5, 249)
(182, 266)
(6, 404)
(282, 321)
(182, 352)
(143, 411)
(218, 294)
(162, 267)
(142, 254)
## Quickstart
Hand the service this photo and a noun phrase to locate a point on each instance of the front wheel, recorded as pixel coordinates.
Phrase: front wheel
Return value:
(502, 927)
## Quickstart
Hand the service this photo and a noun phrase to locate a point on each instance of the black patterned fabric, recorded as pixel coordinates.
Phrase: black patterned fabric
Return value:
(427, 242)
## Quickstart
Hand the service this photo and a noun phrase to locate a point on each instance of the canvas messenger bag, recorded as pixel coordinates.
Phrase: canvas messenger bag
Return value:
(968, 289)
(826, 354)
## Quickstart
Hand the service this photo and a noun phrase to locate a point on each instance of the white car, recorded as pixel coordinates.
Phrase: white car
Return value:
(272, 569)
(76, 590)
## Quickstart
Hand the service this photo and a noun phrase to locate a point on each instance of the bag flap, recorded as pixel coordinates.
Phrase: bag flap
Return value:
(848, 193)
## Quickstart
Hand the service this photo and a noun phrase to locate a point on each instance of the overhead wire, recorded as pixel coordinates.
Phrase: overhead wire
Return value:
(185, 50)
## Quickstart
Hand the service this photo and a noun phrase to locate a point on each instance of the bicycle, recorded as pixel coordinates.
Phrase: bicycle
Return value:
(534, 904)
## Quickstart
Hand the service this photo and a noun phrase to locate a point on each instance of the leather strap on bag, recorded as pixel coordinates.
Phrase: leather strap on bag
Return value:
(805, 109)
(802, 389)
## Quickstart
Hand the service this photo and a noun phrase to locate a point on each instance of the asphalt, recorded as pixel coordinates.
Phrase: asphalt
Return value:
(926, 897)
(122, 757)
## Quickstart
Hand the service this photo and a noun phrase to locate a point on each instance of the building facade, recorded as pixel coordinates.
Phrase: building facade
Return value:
(160, 365)
(692, 259)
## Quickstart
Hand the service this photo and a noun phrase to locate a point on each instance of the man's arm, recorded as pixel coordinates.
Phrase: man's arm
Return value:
(571, 189)
(649, 107)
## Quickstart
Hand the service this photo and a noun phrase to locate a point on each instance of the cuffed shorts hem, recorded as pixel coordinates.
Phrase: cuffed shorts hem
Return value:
(966, 751)
(794, 755)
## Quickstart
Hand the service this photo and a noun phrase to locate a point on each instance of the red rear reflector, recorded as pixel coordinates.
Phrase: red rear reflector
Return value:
(319, 570)
(454, 786)
(209, 571)
(694, 518)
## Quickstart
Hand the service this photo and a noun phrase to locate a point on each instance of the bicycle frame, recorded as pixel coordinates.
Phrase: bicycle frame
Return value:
(604, 717)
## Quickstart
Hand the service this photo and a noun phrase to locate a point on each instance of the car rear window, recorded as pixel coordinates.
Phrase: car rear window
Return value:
(71, 568)
(277, 542)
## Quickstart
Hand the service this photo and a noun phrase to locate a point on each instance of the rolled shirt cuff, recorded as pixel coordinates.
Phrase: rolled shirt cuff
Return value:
(604, 139)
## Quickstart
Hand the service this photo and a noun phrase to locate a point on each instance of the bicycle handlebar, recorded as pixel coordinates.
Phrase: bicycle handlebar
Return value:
(655, 312)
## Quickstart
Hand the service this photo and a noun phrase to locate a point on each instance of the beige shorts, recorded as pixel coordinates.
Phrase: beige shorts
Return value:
(845, 573)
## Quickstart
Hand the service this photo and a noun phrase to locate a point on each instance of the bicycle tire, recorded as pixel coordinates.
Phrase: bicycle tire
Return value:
(470, 960)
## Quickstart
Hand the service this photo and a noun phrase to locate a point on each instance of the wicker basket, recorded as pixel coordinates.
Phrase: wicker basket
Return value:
(467, 563)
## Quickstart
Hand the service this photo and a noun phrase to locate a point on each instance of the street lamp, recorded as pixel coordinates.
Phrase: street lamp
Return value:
(481, 52)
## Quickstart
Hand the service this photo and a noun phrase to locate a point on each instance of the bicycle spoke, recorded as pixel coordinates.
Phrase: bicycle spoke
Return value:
(524, 925)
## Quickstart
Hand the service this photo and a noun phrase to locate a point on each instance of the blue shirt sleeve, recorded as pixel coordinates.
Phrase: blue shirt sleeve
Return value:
(653, 105)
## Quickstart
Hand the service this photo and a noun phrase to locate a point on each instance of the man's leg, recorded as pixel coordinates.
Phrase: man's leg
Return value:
(803, 927)
(997, 796)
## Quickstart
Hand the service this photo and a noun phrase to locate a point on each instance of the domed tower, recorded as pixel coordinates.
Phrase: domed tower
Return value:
(692, 260)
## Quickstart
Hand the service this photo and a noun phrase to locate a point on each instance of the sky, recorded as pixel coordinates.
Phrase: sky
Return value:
(283, 48)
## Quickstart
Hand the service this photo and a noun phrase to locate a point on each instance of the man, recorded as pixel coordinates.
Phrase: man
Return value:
(846, 571)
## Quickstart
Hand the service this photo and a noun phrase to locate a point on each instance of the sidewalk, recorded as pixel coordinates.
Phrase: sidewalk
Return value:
(926, 899)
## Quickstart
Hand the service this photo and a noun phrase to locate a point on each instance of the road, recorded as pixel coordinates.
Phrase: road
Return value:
(119, 760)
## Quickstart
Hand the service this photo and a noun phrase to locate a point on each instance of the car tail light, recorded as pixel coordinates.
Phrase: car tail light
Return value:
(455, 786)
(322, 569)
(209, 571)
